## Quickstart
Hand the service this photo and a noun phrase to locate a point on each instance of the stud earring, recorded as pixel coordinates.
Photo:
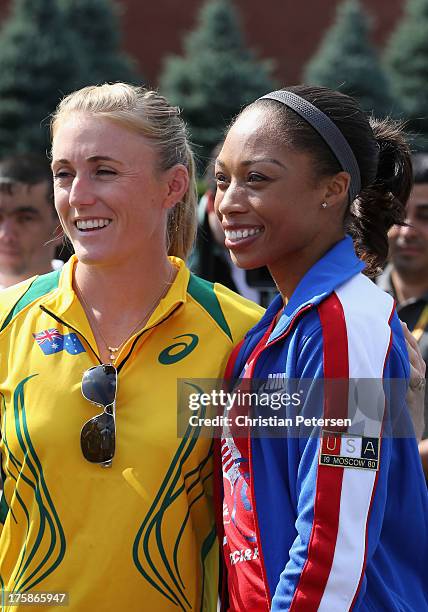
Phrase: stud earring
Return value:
(324, 205)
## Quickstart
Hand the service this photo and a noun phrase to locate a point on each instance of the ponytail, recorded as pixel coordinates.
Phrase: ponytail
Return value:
(381, 204)
(382, 155)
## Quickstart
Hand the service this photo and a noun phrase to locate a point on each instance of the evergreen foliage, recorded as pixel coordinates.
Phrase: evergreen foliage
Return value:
(46, 52)
(406, 59)
(36, 67)
(347, 61)
(216, 76)
(95, 26)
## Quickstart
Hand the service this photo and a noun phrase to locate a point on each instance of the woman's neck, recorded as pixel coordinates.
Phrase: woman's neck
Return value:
(119, 300)
(288, 272)
(123, 287)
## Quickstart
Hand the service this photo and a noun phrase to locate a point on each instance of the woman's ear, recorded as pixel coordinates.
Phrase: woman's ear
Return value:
(177, 179)
(337, 189)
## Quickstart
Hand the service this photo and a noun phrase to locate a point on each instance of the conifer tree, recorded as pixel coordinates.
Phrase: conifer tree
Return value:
(36, 69)
(47, 49)
(406, 59)
(216, 76)
(96, 27)
(347, 61)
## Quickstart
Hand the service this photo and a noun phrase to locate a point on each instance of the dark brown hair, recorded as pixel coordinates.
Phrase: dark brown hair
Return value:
(382, 154)
(26, 169)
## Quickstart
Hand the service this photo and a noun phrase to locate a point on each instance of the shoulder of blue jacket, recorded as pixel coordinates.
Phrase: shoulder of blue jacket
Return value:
(14, 299)
(234, 314)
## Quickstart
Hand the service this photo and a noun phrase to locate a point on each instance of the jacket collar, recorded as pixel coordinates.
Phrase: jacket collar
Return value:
(64, 303)
(338, 265)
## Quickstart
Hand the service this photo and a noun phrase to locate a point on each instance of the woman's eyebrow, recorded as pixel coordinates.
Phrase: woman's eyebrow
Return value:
(97, 158)
(248, 162)
(266, 160)
(92, 158)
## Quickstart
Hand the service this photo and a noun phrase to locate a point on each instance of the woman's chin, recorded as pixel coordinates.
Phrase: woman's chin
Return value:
(92, 256)
(246, 262)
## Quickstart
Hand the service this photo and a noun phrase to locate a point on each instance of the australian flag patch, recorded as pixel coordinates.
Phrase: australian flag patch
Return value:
(52, 341)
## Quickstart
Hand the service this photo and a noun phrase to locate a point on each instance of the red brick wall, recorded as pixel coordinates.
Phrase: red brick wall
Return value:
(287, 31)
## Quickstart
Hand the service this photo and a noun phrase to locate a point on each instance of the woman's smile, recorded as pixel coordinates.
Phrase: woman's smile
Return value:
(91, 224)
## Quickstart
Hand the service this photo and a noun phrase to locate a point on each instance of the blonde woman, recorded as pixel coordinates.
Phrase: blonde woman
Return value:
(102, 501)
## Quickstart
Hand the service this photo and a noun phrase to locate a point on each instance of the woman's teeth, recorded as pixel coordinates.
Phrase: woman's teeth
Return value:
(85, 224)
(235, 235)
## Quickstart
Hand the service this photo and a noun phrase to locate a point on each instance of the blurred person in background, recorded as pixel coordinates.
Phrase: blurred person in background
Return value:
(212, 260)
(28, 219)
(406, 275)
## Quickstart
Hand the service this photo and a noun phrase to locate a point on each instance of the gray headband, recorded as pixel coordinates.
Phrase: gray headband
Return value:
(328, 131)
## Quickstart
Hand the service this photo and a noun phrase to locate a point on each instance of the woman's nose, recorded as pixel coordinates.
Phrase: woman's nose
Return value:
(81, 192)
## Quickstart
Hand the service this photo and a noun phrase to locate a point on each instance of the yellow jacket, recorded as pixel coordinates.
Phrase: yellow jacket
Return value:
(139, 535)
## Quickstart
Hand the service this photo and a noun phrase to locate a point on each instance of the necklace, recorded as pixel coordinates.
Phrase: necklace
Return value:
(114, 350)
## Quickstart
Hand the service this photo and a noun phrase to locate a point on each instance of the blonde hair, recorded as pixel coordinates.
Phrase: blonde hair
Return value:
(149, 114)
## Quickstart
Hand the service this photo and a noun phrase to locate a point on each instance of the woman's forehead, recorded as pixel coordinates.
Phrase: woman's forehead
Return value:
(253, 131)
(251, 120)
(79, 121)
(97, 134)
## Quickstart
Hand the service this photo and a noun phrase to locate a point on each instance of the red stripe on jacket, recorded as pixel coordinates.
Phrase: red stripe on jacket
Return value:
(322, 543)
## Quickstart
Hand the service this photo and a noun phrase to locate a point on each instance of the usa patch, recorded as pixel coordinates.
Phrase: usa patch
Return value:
(349, 450)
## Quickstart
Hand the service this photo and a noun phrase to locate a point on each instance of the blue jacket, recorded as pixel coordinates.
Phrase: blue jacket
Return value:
(334, 532)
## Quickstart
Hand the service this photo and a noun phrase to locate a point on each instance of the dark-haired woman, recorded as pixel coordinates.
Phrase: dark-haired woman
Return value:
(337, 518)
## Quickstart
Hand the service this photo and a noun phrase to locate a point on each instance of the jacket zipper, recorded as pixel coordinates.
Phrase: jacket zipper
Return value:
(251, 367)
(122, 363)
(256, 354)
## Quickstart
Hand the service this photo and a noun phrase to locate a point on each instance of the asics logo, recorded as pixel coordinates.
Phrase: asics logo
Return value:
(178, 351)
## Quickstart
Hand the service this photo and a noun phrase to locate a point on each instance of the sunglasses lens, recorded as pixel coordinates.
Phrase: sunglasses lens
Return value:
(98, 438)
(99, 384)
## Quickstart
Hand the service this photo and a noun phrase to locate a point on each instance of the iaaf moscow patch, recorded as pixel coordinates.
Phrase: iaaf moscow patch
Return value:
(348, 450)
